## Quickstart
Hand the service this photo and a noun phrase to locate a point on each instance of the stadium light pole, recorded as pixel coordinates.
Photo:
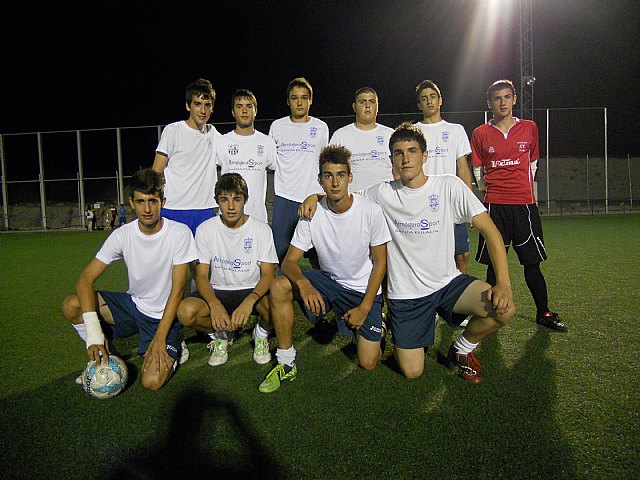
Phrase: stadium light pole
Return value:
(526, 61)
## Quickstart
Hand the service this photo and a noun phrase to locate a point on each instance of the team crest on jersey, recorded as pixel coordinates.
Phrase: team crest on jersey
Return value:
(313, 132)
(248, 245)
(434, 202)
(445, 136)
(380, 140)
(522, 146)
(260, 150)
(233, 149)
(491, 149)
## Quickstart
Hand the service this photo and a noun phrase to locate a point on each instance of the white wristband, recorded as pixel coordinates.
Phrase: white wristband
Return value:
(477, 172)
(95, 336)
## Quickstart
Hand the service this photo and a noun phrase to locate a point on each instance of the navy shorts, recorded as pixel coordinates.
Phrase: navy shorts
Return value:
(129, 321)
(520, 226)
(413, 320)
(283, 224)
(461, 236)
(230, 299)
(340, 300)
(191, 218)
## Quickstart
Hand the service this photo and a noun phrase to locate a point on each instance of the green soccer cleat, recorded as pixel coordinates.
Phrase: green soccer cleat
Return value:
(272, 382)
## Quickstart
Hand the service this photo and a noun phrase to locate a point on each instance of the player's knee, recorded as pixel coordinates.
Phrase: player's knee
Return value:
(71, 309)
(506, 317)
(281, 290)
(412, 371)
(186, 314)
(368, 363)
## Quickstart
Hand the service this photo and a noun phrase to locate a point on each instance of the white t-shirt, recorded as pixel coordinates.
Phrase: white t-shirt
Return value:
(421, 221)
(370, 161)
(250, 156)
(342, 241)
(191, 174)
(298, 146)
(446, 142)
(150, 260)
(235, 254)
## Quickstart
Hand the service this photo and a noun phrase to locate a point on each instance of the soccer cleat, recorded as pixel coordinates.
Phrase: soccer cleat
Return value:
(272, 382)
(468, 365)
(218, 349)
(552, 320)
(184, 353)
(261, 353)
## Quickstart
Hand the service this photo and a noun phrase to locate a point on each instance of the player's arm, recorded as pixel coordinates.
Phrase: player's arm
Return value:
(160, 162)
(156, 356)
(308, 208)
(241, 314)
(220, 320)
(463, 171)
(309, 295)
(500, 295)
(356, 316)
(96, 344)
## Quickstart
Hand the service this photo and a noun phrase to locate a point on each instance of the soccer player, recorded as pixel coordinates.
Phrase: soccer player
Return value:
(248, 152)
(448, 147)
(422, 276)
(157, 252)
(367, 141)
(239, 252)
(299, 139)
(186, 155)
(349, 234)
(504, 156)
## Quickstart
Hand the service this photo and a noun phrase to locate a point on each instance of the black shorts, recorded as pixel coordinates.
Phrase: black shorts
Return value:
(519, 226)
(230, 299)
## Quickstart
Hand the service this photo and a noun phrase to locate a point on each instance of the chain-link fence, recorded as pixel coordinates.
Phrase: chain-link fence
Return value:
(49, 179)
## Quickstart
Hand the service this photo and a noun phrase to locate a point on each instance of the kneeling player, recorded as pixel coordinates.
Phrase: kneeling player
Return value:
(239, 251)
(157, 252)
(349, 233)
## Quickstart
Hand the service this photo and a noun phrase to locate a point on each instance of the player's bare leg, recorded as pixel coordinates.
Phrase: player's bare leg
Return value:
(282, 311)
(410, 361)
(368, 353)
(194, 312)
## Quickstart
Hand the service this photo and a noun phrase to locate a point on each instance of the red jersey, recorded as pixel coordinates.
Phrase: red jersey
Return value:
(506, 159)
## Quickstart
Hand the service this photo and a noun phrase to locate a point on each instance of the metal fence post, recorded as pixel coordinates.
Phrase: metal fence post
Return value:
(81, 179)
(43, 196)
(606, 166)
(548, 173)
(119, 172)
(5, 195)
(630, 189)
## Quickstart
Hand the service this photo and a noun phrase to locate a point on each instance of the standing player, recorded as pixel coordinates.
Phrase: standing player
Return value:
(422, 276)
(448, 147)
(248, 152)
(186, 155)
(157, 252)
(238, 250)
(505, 155)
(367, 141)
(349, 235)
(299, 139)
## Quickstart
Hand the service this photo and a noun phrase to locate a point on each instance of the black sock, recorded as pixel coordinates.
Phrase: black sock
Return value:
(538, 287)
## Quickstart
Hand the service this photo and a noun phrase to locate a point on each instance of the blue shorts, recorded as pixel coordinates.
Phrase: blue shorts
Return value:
(461, 236)
(340, 300)
(413, 320)
(283, 224)
(129, 321)
(230, 299)
(191, 218)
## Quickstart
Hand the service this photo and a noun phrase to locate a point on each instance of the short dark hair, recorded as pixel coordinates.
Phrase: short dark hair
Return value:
(406, 131)
(243, 93)
(500, 85)
(302, 83)
(426, 84)
(334, 154)
(146, 181)
(362, 90)
(232, 183)
(201, 88)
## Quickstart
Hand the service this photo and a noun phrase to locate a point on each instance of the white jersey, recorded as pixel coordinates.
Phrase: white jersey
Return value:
(235, 254)
(150, 260)
(298, 146)
(250, 156)
(342, 241)
(421, 221)
(370, 160)
(190, 174)
(446, 142)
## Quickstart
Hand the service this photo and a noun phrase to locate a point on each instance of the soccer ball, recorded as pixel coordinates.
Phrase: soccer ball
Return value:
(105, 380)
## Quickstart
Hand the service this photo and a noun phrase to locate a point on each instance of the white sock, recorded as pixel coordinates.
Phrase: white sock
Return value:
(464, 346)
(260, 332)
(287, 357)
(82, 330)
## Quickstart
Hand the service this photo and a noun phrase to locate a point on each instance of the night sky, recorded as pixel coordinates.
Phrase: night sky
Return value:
(77, 65)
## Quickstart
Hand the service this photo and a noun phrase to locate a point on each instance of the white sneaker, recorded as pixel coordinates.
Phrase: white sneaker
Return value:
(218, 349)
(261, 353)
(464, 322)
(184, 352)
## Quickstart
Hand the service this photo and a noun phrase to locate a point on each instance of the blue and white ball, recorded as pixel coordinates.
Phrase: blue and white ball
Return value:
(105, 380)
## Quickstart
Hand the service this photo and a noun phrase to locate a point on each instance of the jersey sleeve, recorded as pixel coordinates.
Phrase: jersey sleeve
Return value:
(167, 141)
(272, 154)
(379, 229)
(464, 148)
(476, 148)
(205, 255)
(465, 204)
(302, 235)
(267, 253)
(535, 147)
(185, 249)
(111, 249)
(221, 157)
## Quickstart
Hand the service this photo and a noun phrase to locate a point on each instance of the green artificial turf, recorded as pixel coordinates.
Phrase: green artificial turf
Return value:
(552, 405)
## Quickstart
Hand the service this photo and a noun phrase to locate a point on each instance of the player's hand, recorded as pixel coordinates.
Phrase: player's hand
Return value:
(241, 314)
(99, 353)
(219, 317)
(308, 208)
(312, 298)
(356, 316)
(501, 297)
(156, 358)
